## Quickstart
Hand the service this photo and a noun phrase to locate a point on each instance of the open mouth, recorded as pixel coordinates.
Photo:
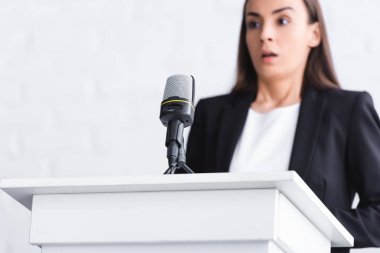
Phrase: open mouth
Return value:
(265, 55)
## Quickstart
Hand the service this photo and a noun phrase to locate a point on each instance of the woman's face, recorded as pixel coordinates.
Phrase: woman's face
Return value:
(279, 37)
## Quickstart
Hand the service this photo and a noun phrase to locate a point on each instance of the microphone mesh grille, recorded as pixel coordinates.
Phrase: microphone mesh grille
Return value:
(179, 86)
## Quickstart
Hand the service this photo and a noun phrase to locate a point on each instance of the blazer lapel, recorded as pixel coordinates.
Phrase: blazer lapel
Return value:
(309, 121)
(231, 127)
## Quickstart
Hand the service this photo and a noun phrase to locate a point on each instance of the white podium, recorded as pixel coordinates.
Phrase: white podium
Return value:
(211, 213)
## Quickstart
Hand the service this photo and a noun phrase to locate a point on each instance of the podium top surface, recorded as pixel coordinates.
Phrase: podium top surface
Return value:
(288, 183)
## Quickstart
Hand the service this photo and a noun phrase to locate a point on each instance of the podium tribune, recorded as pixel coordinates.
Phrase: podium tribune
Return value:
(210, 213)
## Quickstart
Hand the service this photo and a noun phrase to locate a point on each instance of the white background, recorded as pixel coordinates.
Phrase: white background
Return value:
(81, 81)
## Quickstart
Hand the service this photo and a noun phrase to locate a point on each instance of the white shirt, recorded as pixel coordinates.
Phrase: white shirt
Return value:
(266, 141)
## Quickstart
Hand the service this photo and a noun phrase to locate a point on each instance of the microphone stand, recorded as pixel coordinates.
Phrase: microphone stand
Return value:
(181, 162)
(176, 148)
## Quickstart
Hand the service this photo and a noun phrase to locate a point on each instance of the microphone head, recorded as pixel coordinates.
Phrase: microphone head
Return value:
(178, 100)
(181, 86)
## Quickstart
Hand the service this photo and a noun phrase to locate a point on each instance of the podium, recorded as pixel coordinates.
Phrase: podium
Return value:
(211, 213)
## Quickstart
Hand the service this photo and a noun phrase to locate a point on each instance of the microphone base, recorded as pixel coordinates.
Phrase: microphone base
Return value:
(184, 167)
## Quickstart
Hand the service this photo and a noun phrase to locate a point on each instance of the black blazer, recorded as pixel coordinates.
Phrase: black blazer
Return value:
(336, 151)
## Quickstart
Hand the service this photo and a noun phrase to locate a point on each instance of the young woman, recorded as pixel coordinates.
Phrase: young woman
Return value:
(287, 112)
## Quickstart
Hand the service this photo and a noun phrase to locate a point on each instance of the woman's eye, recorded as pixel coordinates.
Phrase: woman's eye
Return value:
(253, 25)
(283, 21)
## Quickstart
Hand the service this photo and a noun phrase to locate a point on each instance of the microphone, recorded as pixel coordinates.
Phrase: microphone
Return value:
(177, 112)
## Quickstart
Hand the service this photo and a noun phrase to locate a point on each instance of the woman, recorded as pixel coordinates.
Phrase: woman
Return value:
(287, 111)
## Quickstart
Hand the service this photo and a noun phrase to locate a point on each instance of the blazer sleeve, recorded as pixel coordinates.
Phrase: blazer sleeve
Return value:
(195, 155)
(363, 164)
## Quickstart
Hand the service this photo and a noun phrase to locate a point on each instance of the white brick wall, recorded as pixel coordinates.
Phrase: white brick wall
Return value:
(81, 81)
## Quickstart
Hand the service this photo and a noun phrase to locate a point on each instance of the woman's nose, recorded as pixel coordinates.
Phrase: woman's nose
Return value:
(267, 33)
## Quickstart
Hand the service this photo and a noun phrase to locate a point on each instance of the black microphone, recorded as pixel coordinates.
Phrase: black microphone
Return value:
(177, 112)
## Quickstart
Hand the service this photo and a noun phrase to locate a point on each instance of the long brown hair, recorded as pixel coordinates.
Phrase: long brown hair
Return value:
(319, 72)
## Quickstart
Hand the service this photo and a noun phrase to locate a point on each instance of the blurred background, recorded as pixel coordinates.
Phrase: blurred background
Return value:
(81, 82)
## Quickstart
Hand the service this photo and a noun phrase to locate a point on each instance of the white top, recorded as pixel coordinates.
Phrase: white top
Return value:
(266, 141)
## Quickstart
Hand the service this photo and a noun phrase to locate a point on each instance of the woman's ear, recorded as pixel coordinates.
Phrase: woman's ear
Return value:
(315, 35)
